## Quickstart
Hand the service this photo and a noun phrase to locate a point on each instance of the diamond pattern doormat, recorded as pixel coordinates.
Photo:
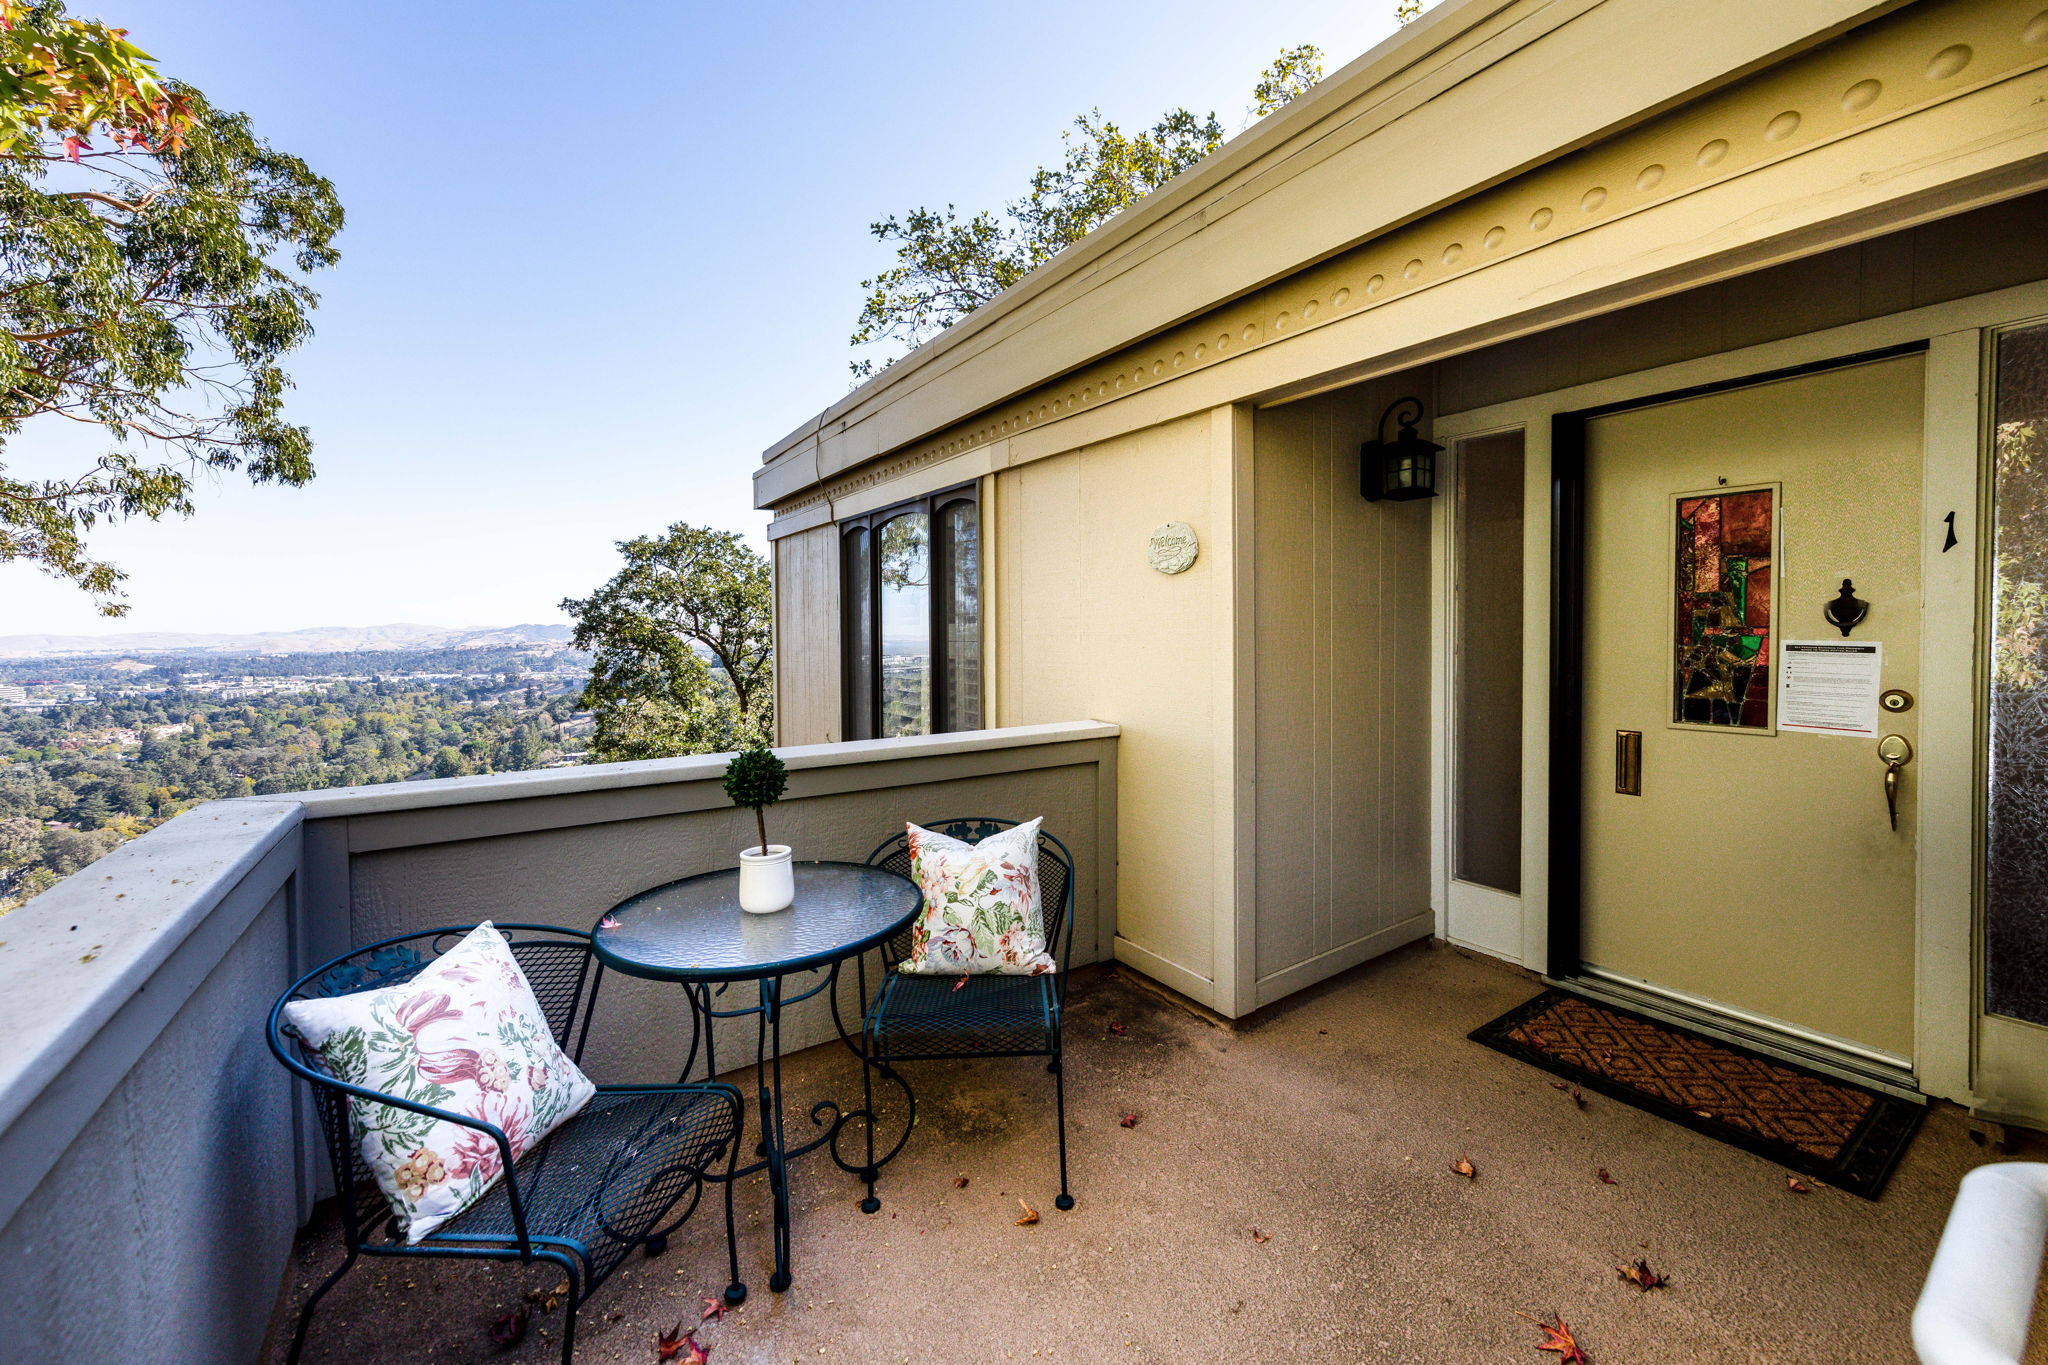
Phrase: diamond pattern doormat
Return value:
(1841, 1133)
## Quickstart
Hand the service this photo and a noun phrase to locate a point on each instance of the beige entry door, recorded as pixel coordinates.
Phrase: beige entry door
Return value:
(1757, 872)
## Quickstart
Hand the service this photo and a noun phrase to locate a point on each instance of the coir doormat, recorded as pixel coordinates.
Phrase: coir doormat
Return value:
(1817, 1125)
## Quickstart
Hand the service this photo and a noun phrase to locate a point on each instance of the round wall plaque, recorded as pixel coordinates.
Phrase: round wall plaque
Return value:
(1172, 548)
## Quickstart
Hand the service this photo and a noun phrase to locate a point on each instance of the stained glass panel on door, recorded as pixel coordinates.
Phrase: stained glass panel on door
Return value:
(1722, 670)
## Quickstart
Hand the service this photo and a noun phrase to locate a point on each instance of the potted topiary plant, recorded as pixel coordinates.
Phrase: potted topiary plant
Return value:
(756, 777)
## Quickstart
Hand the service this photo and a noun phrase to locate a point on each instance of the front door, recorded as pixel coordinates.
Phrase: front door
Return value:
(1732, 862)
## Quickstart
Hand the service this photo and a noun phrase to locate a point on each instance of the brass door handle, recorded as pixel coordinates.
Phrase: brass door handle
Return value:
(1897, 752)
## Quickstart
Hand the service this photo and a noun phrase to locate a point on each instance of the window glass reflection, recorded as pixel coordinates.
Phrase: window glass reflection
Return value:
(905, 564)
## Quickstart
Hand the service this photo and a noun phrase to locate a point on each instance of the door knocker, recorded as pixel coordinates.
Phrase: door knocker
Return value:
(1847, 610)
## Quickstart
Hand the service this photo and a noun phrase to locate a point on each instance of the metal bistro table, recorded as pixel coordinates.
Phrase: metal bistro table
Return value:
(693, 932)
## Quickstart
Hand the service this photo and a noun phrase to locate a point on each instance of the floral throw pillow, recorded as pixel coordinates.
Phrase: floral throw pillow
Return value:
(466, 1035)
(981, 913)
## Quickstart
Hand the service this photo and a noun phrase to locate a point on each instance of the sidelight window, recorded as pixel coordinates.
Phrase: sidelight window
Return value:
(2016, 851)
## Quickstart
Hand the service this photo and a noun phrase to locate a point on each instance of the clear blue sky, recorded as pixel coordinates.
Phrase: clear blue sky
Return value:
(598, 256)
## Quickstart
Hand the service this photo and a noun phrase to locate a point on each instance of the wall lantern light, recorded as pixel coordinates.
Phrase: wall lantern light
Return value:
(1403, 468)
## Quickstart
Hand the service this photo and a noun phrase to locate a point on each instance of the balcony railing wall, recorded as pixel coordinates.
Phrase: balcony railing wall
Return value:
(154, 1164)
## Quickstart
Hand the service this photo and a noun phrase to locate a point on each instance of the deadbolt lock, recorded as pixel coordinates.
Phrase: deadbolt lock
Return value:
(1895, 700)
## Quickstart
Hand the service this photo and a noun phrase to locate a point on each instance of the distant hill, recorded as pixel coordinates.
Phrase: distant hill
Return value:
(316, 640)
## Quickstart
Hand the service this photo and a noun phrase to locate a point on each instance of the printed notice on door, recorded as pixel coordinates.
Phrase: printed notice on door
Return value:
(1830, 687)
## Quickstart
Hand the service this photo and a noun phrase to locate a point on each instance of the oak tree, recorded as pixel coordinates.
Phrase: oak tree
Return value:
(681, 643)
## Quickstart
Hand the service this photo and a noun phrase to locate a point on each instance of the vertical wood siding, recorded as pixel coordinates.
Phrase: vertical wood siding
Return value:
(1341, 662)
(807, 637)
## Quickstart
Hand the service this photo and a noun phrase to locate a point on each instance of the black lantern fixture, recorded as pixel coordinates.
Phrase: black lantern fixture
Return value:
(1403, 468)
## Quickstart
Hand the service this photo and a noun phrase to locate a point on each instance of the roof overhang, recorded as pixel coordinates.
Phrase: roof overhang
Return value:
(1473, 93)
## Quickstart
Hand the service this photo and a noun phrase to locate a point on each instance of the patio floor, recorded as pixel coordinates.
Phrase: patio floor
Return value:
(1328, 1124)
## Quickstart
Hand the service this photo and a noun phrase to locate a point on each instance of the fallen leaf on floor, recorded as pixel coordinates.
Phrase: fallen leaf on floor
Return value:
(546, 1299)
(714, 1309)
(959, 1182)
(1463, 1166)
(1797, 1186)
(676, 1344)
(1030, 1214)
(1261, 1238)
(1558, 1337)
(960, 984)
(1129, 1120)
(1322, 1030)
(1578, 1097)
(1539, 1040)
(509, 1330)
(1601, 1175)
(1118, 1029)
(1639, 1274)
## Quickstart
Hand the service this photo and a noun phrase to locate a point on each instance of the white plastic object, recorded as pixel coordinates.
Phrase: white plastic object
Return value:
(1979, 1294)
(767, 881)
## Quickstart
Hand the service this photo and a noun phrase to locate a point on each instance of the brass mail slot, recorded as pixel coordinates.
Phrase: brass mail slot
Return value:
(1628, 762)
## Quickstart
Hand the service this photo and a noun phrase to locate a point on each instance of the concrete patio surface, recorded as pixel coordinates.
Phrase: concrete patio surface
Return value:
(1328, 1124)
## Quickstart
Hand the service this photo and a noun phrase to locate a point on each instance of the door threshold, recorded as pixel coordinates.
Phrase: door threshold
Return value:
(1881, 1071)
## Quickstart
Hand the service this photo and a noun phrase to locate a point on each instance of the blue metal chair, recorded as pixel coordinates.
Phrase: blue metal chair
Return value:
(591, 1191)
(935, 1018)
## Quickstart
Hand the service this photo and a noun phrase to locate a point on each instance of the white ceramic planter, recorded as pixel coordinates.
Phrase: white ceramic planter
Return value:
(767, 882)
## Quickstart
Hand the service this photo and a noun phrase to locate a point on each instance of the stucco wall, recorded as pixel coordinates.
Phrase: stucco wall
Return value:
(1087, 627)
(159, 1217)
(1340, 642)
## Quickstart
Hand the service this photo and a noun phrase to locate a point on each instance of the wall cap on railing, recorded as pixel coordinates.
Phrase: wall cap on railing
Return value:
(75, 956)
(457, 791)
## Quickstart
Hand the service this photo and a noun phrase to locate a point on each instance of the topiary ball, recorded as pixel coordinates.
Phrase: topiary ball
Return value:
(755, 778)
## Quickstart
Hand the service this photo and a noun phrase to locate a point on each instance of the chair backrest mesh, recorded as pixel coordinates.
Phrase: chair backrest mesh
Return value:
(1055, 874)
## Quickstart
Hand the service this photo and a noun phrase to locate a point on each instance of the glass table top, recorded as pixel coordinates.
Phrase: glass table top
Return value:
(694, 929)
